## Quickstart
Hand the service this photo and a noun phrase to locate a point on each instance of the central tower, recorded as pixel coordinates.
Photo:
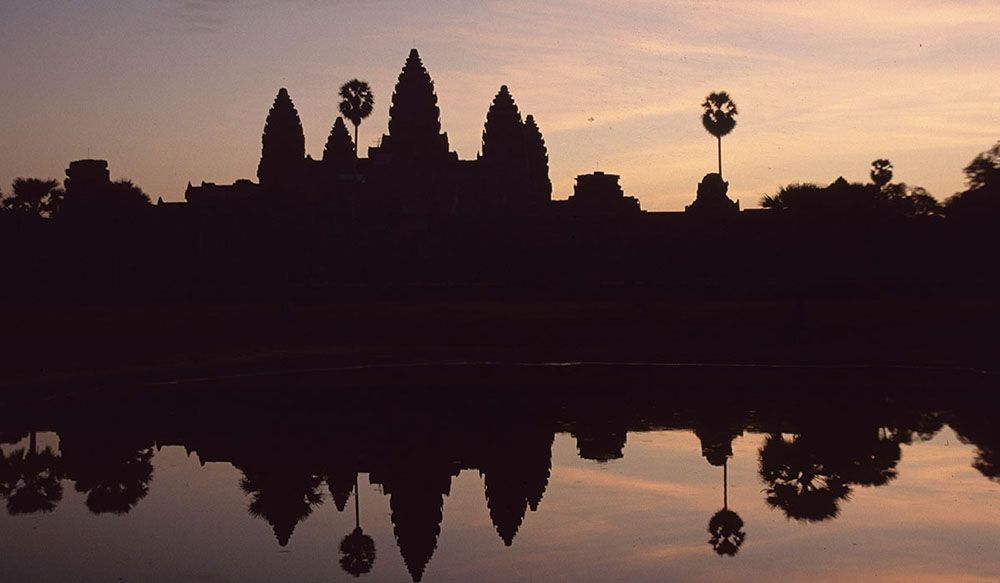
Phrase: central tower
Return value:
(414, 118)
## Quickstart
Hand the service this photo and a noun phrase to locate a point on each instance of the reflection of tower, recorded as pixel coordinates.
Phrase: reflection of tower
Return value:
(341, 482)
(282, 498)
(516, 473)
(716, 441)
(600, 442)
(358, 549)
(416, 498)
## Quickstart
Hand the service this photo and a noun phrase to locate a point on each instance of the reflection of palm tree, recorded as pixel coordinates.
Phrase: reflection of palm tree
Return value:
(116, 484)
(719, 118)
(357, 102)
(30, 480)
(726, 527)
(357, 547)
(871, 457)
(799, 482)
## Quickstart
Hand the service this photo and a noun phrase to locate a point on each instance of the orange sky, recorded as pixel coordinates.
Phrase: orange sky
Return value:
(172, 91)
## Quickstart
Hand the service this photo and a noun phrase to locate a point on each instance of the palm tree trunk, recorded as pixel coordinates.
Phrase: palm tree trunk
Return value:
(725, 482)
(356, 140)
(720, 155)
(357, 504)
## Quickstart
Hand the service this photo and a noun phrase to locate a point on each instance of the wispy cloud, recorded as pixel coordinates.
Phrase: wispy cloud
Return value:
(204, 15)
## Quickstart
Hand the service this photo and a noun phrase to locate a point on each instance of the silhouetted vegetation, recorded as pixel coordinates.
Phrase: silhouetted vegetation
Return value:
(33, 197)
(881, 173)
(356, 103)
(719, 118)
(726, 528)
(981, 200)
(408, 218)
(855, 202)
(31, 480)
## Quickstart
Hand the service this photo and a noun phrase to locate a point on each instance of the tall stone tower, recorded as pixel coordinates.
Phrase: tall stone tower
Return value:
(283, 150)
(515, 160)
(414, 118)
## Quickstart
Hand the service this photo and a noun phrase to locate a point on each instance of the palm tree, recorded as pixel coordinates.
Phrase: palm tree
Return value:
(357, 101)
(719, 118)
(881, 172)
(33, 196)
(357, 547)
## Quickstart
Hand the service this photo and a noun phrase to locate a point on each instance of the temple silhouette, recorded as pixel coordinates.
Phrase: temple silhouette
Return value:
(409, 219)
(412, 172)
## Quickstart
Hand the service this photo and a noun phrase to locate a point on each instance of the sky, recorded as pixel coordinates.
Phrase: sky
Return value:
(171, 91)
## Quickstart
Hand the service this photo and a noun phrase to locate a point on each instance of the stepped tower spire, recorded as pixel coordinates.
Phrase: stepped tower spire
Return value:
(536, 158)
(414, 116)
(283, 144)
(339, 148)
(503, 141)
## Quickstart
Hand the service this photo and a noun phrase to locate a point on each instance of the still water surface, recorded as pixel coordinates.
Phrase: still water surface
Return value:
(236, 484)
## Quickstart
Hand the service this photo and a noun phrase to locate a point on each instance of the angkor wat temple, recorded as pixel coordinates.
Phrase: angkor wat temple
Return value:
(413, 216)
(413, 171)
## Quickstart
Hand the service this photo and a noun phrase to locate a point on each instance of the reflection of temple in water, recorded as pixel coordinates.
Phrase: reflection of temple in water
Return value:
(414, 444)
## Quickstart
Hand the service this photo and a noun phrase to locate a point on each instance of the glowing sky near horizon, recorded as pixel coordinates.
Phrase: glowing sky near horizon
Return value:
(175, 90)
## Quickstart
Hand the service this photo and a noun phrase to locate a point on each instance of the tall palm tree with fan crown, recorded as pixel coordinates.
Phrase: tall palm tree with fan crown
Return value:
(356, 103)
(719, 118)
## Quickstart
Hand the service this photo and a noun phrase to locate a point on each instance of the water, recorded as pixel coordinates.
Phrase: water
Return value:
(583, 475)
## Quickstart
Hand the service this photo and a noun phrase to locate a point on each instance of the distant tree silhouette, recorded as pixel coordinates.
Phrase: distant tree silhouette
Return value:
(719, 118)
(881, 173)
(339, 147)
(981, 200)
(30, 480)
(283, 144)
(850, 200)
(125, 194)
(912, 202)
(356, 103)
(984, 170)
(33, 197)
